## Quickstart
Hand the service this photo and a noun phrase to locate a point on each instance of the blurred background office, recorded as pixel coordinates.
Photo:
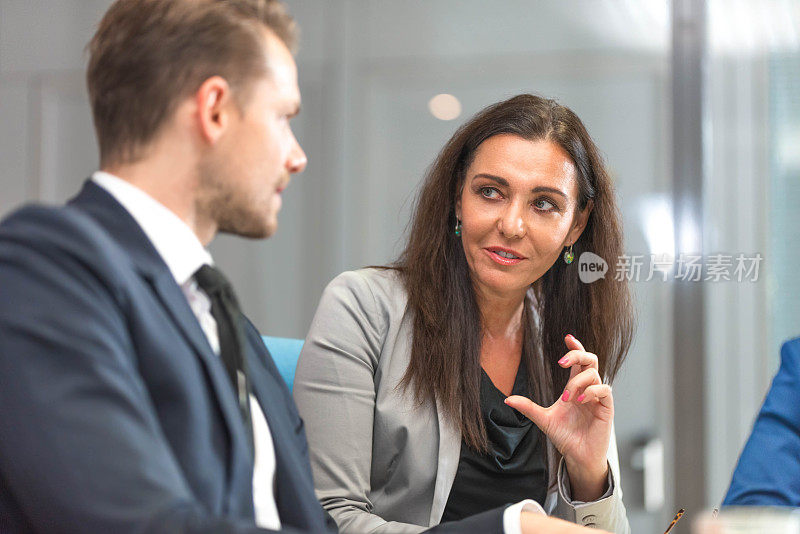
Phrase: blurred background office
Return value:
(695, 103)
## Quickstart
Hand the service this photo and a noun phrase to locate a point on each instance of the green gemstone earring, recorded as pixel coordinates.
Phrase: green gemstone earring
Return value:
(569, 256)
(458, 228)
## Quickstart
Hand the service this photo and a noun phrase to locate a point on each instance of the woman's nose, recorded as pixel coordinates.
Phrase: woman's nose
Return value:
(511, 223)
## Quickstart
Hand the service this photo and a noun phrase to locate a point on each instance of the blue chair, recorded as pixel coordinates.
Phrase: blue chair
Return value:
(284, 351)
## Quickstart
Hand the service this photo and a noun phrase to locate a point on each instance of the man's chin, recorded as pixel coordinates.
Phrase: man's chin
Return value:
(251, 231)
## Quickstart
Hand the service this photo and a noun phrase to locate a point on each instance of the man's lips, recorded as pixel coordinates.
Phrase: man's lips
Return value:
(504, 256)
(283, 183)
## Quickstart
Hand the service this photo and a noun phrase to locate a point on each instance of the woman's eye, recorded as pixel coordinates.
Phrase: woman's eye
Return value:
(544, 205)
(489, 192)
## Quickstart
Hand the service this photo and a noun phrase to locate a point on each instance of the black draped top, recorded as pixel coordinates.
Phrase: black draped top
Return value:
(515, 467)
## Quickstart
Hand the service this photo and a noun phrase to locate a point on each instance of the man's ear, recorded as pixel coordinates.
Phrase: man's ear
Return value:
(213, 101)
(579, 224)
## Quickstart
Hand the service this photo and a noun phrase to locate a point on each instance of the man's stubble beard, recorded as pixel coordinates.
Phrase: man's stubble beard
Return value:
(232, 211)
(244, 224)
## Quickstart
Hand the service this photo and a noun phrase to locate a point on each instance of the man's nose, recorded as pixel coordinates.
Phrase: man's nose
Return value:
(297, 159)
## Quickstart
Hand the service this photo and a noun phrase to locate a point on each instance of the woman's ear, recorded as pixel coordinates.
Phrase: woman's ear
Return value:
(458, 201)
(579, 224)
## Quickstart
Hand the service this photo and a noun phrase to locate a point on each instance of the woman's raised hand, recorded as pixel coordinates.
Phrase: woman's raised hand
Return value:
(578, 423)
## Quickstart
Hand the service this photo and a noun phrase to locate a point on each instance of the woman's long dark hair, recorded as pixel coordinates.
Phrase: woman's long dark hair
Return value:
(445, 351)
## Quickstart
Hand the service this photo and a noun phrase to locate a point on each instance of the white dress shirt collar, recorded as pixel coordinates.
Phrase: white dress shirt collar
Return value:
(177, 244)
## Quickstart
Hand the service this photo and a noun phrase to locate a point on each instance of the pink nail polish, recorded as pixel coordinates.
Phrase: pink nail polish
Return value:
(581, 397)
(565, 396)
(563, 361)
(570, 336)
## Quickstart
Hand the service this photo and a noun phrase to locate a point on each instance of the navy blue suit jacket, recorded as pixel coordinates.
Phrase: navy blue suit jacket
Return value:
(115, 413)
(768, 472)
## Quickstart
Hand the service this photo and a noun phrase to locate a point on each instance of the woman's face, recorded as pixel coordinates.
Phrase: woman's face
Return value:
(518, 210)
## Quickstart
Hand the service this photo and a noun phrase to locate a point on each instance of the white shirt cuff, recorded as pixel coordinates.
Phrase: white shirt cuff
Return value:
(512, 516)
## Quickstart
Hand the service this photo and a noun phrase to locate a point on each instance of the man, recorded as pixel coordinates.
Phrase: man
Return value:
(135, 397)
(768, 471)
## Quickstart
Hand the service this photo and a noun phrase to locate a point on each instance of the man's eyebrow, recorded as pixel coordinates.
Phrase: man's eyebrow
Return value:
(538, 189)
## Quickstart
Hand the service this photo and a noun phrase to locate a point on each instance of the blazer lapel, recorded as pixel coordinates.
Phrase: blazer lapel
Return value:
(122, 227)
(174, 301)
(294, 484)
(447, 463)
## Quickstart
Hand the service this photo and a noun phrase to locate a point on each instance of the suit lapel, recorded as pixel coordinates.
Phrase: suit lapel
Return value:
(446, 465)
(126, 232)
(266, 391)
(174, 301)
(294, 488)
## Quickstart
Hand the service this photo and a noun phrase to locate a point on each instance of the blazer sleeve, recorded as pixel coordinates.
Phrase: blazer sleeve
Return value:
(768, 471)
(81, 449)
(607, 513)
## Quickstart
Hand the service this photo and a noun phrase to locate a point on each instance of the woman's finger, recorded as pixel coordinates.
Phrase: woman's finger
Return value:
(597, 393)
(579, 382)
(573, 343)
(579, 357)
(529, 409)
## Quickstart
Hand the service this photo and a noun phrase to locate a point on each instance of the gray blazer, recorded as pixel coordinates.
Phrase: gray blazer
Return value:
(382, 463)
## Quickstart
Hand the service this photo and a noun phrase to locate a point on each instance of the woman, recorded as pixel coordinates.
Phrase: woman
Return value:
(415, 380)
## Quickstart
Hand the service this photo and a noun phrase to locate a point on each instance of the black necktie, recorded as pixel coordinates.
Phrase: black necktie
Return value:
(226, 312)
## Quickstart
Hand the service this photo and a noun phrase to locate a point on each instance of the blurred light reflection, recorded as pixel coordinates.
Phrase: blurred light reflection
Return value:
(655, 212)
(445, 107)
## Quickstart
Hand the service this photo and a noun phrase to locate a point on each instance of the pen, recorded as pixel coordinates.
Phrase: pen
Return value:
(674, 521)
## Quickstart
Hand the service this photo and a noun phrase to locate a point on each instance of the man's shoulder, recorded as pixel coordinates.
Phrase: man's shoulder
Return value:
(793, 346)
(56, 240)
(64, 229)
(790, 356)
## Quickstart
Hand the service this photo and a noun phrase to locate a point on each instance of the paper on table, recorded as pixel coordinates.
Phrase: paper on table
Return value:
(749, 520)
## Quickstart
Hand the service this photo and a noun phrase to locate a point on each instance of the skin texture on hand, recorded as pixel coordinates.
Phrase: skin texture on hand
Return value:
(541, 524)
(578, 423)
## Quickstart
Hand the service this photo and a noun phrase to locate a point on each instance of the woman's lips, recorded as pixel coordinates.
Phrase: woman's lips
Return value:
(493, 253)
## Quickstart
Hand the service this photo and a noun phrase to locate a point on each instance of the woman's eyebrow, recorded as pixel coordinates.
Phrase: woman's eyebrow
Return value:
(545, 189)
(498, 179)
(538, 189)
